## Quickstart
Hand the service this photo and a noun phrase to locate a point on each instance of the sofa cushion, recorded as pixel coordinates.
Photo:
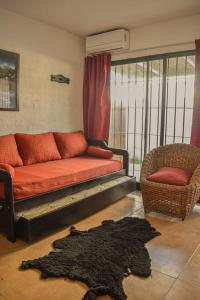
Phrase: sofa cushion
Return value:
(36, 148)
(172, 176)
(8, 151)
(70, 144)
(10, 170)
(99, 152)
(40, 178)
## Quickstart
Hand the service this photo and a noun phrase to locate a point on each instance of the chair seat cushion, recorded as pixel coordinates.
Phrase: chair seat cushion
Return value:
(172, 176)
(40, 178)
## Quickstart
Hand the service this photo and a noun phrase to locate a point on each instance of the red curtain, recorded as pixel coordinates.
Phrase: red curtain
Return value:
(195, 134)
(96, 96)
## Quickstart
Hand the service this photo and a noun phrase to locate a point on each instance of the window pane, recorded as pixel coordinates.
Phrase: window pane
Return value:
(179, 95)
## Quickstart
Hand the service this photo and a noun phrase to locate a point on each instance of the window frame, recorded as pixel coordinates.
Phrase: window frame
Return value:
(148, 58)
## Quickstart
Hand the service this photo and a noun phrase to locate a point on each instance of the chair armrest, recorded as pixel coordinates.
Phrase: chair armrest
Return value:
(148, 165)
(195, 179)
(116, 151)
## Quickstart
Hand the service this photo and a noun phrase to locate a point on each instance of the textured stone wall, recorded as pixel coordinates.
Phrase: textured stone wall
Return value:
(44, 50)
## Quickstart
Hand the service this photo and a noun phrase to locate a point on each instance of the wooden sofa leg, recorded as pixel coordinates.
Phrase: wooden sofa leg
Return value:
(7, 225)
(10, 227)
(11, 236)
(8, 210)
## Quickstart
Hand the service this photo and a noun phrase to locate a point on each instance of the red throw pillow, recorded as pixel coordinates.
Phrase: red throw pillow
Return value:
(99, 152)
(10, 170)
(172, 176)
(8, 151)
(70, 144)
(36, 148)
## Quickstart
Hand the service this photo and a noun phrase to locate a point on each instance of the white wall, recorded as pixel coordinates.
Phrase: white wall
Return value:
(44, 50)
(163, 37)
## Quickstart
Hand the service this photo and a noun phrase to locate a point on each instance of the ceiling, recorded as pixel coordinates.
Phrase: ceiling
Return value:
(84, 17)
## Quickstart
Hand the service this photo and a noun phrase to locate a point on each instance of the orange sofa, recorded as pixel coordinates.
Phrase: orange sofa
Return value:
(33, 165)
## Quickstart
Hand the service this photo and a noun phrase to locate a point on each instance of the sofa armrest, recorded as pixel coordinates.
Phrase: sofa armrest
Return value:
(121, 152)
(6, 178)
(8, 218)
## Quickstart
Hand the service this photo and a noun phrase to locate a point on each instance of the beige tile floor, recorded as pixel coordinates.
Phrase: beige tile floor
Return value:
(175, 260)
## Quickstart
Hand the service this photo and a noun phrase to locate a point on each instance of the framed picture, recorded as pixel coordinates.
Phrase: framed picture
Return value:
(9, 69)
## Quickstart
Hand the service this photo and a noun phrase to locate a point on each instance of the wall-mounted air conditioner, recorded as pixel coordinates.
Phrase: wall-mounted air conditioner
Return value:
(108, 41)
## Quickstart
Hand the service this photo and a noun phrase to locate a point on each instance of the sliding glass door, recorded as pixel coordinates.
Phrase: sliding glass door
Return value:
(151, 103)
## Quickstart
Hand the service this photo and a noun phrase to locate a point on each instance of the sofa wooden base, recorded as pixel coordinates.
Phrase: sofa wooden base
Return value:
(33, 224)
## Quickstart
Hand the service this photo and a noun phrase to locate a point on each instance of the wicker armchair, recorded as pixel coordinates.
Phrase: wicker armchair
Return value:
(172, 200)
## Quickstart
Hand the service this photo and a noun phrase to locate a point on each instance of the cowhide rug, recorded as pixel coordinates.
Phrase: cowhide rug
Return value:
(100, 257)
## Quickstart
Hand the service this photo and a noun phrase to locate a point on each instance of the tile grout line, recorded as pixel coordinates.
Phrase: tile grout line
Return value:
(192, 284)
(171, 287)
(3, 298)
(167, 292)
(188, 261)
(165, 274)
(177, 279)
